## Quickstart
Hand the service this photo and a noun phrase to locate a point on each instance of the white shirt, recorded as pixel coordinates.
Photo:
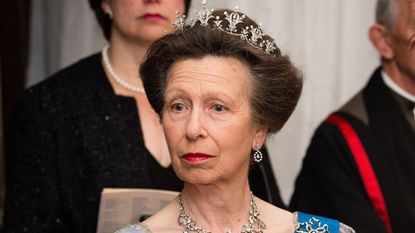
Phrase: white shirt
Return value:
(392, 85)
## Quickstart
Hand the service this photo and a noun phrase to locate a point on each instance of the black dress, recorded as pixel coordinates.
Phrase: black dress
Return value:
(70, 137)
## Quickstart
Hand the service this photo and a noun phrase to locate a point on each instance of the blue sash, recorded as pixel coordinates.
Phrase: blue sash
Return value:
(307, 223)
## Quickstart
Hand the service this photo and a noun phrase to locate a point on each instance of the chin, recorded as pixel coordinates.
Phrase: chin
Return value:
(196, 178)
(151, 34)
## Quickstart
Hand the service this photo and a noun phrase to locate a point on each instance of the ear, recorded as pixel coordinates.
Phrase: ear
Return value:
(380, 38)
(105, 5)
(259, 138)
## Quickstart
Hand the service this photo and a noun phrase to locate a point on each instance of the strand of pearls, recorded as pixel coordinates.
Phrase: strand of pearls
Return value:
(116, 77)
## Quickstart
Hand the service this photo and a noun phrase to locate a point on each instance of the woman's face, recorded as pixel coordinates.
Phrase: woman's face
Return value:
(207, 120)
(143, 20)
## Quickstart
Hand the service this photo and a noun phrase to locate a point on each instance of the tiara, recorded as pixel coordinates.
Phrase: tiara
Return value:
(253, 35)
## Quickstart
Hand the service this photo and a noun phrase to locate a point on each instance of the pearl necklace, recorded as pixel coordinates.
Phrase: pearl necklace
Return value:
(115, 76)
(255, 225)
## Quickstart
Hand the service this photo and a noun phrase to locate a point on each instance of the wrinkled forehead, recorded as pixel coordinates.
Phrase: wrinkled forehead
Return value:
(210, 73)
(405, 6)
(404, 14)
(210, 68)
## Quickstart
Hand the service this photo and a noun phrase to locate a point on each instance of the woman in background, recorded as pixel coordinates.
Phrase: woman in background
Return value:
(90, 127)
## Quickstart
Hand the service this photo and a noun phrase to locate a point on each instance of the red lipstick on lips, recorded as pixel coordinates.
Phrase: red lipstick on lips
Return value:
(152, 16)
(195, 157)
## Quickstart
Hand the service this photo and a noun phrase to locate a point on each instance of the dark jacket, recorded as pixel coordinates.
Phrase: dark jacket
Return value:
(330, 184)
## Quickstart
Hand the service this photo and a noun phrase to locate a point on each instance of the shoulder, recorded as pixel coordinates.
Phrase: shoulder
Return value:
(305, 223)
(85, 66)
(330, 136)
(135, 228)
(165, 220)
(275, 218)
(354, 111)
(66, 84)
(356, 107)
(69, 76)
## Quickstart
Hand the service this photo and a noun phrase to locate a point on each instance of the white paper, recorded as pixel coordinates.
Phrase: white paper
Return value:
(120, 207)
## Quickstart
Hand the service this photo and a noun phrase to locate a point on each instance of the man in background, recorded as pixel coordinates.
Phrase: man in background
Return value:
(360, 165)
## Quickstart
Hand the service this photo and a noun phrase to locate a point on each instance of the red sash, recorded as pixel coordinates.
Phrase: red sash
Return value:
(365, 168)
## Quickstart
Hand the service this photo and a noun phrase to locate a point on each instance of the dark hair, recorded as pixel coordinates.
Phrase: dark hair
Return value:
(104, 20)
(276, 82)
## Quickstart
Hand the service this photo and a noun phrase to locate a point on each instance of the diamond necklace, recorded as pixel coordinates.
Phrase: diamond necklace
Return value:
(255, 225)
(115, 76)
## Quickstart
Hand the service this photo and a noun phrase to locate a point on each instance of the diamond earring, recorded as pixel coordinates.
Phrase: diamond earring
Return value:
(109, 13)
(258, 154)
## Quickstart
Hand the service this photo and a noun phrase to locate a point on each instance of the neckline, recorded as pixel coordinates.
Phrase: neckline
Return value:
(106, 63)
(102, 78)
(395, 88)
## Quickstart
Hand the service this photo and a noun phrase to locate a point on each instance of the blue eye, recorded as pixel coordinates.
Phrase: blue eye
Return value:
(219, 108)
(178, 107)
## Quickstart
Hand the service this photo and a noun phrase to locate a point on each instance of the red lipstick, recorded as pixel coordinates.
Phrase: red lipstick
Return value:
(152, 16)
(195, 157)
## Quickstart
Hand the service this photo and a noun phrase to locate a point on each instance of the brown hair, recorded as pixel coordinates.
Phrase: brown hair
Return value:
(105, 21)
(276, 82)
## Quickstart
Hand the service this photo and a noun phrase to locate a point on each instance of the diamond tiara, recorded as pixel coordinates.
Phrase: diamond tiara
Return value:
(253, 35)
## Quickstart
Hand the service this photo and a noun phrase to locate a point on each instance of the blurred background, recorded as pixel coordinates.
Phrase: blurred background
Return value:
(327, 39)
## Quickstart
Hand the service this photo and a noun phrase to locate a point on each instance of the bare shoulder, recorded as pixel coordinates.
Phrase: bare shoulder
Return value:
(165, 220)
(277, 220)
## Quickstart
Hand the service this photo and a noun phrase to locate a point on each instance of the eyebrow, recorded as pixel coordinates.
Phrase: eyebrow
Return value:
(183, 93)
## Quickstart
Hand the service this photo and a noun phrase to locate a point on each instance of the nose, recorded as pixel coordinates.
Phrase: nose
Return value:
(195, 127)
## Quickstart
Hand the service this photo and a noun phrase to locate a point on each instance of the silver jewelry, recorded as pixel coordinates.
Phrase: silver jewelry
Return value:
(258, 154)
(253, 35)
(109, 13)
(255, 225)
(115, 76)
